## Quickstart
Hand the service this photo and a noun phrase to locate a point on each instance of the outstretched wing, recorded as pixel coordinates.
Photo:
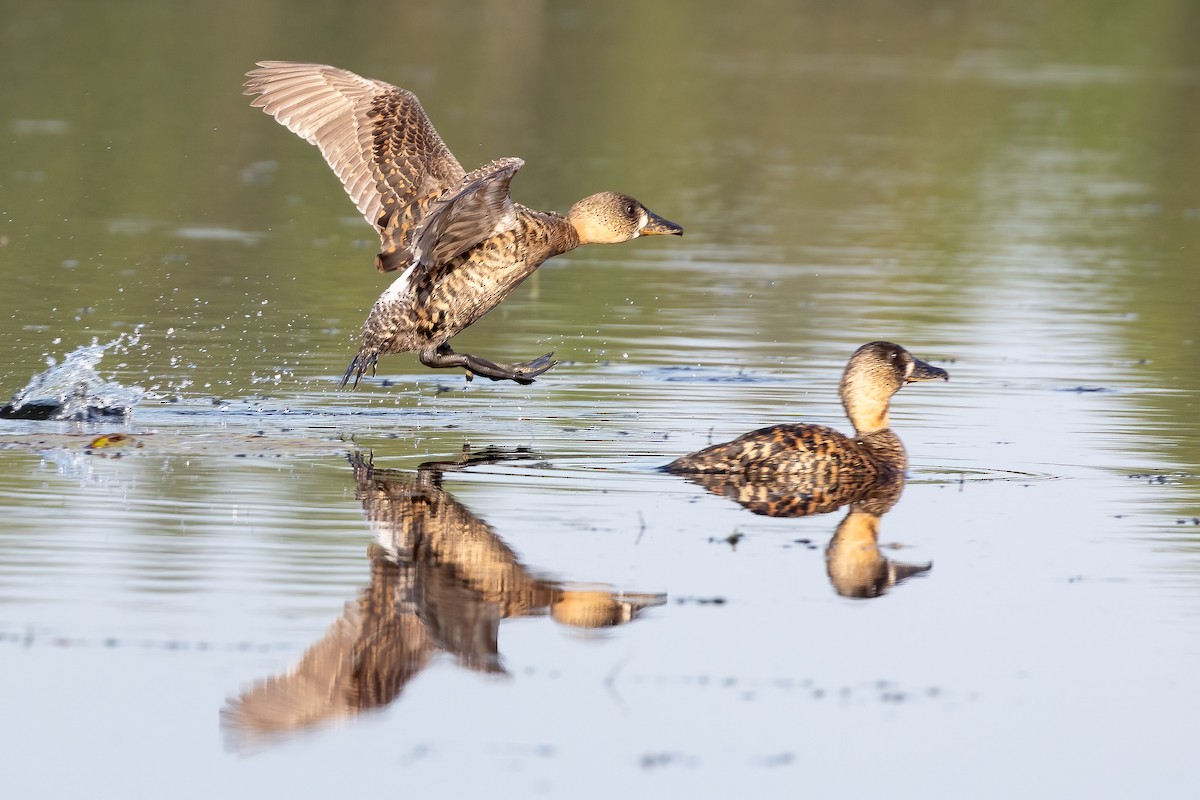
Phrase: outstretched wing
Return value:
(375, 137)
(478, 207)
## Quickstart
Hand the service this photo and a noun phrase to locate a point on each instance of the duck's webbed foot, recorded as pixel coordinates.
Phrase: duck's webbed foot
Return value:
(523, 373)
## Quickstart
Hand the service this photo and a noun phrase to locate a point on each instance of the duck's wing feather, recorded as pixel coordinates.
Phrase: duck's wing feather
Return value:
(480, 206)
(799, 449)
(375, 136)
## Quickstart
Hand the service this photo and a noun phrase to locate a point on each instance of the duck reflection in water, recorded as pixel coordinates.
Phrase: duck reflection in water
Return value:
(441, 581)
(798, 470)
(853, 560)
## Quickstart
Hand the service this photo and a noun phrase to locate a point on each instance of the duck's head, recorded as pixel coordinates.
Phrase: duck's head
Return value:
(610, 217)
(876, 371)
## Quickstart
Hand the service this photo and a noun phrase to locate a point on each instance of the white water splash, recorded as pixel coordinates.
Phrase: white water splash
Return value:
(75, 390)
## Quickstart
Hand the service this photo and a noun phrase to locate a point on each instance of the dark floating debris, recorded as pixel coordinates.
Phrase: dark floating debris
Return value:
(703, 601)
(1161, 479)
(30, 638)
(38, 409)
(684, 374)
(731, 540)
(74, 390)
(650, 761)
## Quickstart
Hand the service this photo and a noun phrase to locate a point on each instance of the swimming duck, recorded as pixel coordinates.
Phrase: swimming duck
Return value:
(461, 241)
(823, 456)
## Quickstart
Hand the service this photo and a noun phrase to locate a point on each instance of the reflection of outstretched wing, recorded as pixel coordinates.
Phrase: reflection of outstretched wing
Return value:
(459, 620)
(785, 495)
(363, 661)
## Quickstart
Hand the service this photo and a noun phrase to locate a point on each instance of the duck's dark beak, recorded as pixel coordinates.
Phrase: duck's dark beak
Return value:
(657, 226)
(924, 372)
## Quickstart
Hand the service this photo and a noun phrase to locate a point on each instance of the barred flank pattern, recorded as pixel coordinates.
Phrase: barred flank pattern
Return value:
(822, 454)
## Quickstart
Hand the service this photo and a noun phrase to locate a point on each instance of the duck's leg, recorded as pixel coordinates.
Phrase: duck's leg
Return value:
(443, 356)
(362, 362)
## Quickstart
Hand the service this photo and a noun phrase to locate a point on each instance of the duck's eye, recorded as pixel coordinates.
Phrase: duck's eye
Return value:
(630, 211)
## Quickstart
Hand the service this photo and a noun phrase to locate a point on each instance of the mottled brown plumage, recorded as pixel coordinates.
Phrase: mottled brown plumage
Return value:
(826, 461)
(798, 494)
(441, 581)
(462, 242)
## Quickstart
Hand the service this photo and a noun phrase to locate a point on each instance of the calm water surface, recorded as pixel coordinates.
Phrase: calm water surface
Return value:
(233, 602)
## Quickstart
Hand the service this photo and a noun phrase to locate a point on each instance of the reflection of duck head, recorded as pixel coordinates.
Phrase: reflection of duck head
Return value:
(597, 607)
(826, 457)
(855, 565)
(441, 581)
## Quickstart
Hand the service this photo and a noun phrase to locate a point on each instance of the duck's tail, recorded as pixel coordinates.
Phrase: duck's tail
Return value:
(362, 362)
